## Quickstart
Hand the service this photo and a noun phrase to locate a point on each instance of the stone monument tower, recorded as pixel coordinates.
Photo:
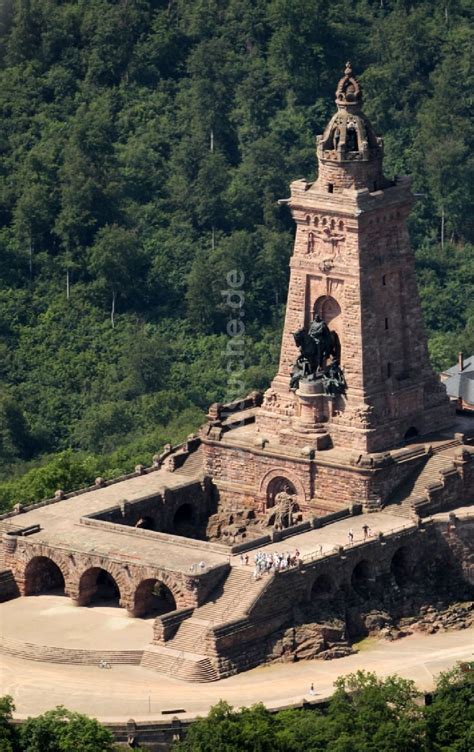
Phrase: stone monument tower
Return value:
(354, 267)
(354, 381)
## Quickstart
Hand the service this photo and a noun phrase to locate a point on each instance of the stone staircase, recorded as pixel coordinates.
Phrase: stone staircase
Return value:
(49, 654)
(193, 465)
(179, 664)
(231, 598)
(441, 459)
(183, 656)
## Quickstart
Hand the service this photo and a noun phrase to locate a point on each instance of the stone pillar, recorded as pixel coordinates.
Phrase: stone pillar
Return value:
(308, 426)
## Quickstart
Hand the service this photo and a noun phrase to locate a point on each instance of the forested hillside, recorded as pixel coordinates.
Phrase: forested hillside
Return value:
(144, 145)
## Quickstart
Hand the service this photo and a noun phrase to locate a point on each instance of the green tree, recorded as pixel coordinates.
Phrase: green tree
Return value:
(61, 730)
(115, 259)
(15, 435)
(8, 732)
(450, 717)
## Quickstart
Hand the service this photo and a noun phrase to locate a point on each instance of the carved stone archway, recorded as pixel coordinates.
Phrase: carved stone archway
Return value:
(363, 577)
(153, 598)
(86, 582)
(24, 568)
(274, 481)
(43, 575)
(329, 310)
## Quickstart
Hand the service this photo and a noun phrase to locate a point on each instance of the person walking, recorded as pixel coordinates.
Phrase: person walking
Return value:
(350, 535)
(365, 529)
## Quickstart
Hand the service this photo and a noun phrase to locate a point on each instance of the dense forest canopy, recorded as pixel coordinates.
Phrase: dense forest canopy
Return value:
(144, 145)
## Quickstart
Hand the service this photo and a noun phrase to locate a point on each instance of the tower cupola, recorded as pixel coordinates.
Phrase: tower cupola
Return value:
(349, 152)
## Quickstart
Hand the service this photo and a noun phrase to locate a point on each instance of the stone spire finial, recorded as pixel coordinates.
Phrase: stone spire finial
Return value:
(348, 90)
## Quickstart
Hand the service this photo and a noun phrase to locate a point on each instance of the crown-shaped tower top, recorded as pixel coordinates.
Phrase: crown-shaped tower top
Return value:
(348, 92)
(349, 152)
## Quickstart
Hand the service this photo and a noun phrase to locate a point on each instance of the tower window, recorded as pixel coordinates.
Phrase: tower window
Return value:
(330, 188)
(384, 280)
(351, 140)
(389, 370)
(386, 323)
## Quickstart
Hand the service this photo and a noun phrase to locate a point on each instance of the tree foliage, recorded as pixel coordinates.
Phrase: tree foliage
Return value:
(144, 146)
(365, 714)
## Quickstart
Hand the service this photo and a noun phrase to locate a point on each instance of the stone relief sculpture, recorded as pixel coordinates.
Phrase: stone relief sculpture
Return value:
(281, 515)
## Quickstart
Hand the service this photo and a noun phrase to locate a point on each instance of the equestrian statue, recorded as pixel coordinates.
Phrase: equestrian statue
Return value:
(316, 346)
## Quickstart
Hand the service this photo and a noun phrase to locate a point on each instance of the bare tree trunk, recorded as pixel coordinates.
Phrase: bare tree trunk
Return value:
(112, 312)
(212, 141)
(68, 285)
(213, 238)
(31, 258)
(442, 228)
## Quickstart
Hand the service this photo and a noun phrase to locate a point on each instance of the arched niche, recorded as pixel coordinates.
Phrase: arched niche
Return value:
(43, 575)
(362, 578)
(184, 521)
(153, 598)
(276, 485)
(98, 587)
(330, 311)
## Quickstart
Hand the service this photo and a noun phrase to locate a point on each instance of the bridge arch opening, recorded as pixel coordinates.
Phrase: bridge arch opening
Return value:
(98, 587)
(42, 575)
(400, 567)
(362, 578)
(184, 520)
(322, 586)
(153, 598)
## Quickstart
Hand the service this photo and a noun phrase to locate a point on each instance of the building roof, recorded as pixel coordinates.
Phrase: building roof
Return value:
(468, 366)
(460, 384)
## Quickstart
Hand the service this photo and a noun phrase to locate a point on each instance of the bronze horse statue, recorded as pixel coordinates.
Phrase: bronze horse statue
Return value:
(317, 351)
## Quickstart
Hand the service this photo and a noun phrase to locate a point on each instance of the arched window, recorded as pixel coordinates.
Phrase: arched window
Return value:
(352, 143)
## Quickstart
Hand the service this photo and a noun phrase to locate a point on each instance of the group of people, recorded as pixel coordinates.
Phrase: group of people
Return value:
(195, 568)
(271, 561)
(367, 532)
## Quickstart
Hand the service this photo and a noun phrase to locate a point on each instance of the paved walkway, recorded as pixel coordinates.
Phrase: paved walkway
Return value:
(335, 534)
(53, 620)
(133, 692)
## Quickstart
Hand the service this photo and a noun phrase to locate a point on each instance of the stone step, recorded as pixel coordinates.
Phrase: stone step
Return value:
(181, 665)
(415, 486)
(430, 472)
(50, 654)
(231, 597)
(190, 636)
(193, 465)
(229, 601)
